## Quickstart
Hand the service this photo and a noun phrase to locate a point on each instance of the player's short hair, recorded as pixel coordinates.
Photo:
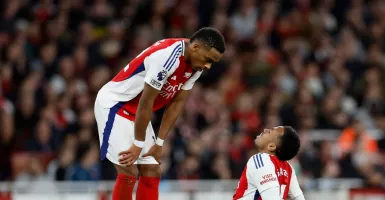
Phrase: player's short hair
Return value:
(211, 37)
(289, 144)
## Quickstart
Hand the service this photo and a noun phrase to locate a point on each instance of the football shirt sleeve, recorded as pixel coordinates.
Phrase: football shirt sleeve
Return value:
(294, 189)
(271, 194)
(161, 64)
(262, 173)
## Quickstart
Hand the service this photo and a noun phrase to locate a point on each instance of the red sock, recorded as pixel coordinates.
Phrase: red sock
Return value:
(123, 187)
(148, 188)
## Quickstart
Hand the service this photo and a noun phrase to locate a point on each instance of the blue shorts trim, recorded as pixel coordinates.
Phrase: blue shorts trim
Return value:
(107, 129)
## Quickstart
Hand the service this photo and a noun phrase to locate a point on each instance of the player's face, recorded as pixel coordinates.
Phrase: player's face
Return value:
(202, 58)
(269, 138)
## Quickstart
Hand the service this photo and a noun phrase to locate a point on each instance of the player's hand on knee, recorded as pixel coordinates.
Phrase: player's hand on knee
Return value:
(127, 158)
(155, 151)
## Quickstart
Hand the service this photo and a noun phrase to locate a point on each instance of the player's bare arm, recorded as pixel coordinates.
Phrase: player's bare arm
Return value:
(143, 117)
(171, 114)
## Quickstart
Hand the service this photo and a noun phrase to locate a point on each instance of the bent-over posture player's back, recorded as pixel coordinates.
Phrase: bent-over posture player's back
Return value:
(162, 75)
(268, 175)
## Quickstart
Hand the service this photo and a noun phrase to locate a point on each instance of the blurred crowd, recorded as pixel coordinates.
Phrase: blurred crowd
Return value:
(310, 64)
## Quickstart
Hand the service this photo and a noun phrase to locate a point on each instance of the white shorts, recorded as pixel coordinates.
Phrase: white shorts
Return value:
(116, 134)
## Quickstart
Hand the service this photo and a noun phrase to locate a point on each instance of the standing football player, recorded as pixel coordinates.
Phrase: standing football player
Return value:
(162, 75)
(268, 175)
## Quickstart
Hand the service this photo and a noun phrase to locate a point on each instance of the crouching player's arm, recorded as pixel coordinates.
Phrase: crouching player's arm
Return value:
(172, 112)
(143, 117)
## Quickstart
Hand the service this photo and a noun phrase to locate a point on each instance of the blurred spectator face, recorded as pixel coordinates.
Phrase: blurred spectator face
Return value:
(195, 147)
(80, 57)
(85, 135)
(245, 103)
(359, 127)
(116, 30)
(48, 53)
(70, 142)
(220, 20)
(307, 123)
(43, 132)
(48, 114)
(305, 96)
(341, 119)
(221, 167)
(101, 9)
(63, 103)
(51, 95)
(272, 120)
(331, 170)
(27, 104)
(192, 24)
(111, 48)
(377, 30)
(57, 27)
(87, 118)
(376, 179)
(11, 8)
(33, 32)
(98, 78)
(374, 93)
(159, 7)
(66, 156)
(15, 52)
(157, 26)
(189, 166)
(35, 167)
(274, 103)
(91, 157)
(373, 76)
(380, 122)
(7, 125)
(222, 143)
(82, 101)
(213, 99)
(67, 68)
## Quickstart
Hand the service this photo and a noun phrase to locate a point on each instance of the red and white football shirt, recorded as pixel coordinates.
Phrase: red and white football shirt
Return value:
(264, 171)
(162, 66)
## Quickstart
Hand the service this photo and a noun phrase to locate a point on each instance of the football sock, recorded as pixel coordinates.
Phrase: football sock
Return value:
(124, 186)
(148, 188)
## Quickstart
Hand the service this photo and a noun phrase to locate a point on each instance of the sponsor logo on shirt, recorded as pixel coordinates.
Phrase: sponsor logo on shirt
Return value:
(169, 90)
(268, 178)
(155, 83)
(162, 75)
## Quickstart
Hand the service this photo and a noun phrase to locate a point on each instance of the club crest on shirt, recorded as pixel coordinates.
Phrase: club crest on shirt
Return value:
(162, 75)
(187, 75)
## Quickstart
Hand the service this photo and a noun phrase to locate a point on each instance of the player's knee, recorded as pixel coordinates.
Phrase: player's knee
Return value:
(129, 171)
(150, 170)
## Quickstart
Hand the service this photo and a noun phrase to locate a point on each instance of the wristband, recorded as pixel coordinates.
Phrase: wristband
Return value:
(138, 143)
(159, 141)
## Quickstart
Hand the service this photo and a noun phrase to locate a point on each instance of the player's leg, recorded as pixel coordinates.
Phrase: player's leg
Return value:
(114, 135)
(125, 182)
(148, 186)
(149, 170)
